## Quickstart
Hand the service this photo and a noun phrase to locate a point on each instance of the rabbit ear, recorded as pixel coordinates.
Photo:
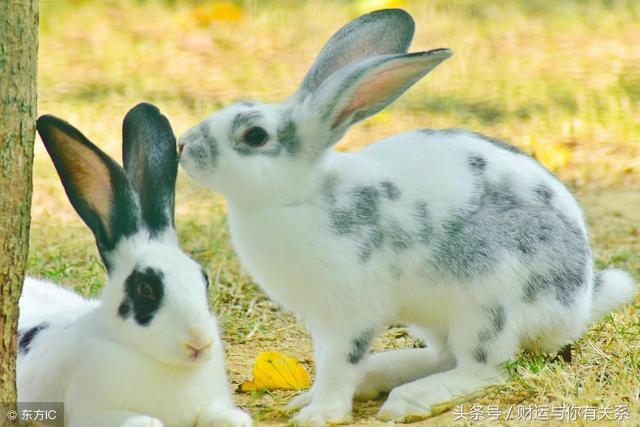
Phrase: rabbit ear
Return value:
(383, 32)
(151, 164)
(95, 184)
(364, 88)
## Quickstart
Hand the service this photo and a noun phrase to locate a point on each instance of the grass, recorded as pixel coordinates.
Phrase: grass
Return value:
(544, 75)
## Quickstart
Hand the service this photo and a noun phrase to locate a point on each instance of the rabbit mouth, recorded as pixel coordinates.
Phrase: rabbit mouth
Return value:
(199, 353)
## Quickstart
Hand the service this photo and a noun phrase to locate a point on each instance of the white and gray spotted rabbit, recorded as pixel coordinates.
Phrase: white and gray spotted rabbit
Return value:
(148, 353)
(465, 238)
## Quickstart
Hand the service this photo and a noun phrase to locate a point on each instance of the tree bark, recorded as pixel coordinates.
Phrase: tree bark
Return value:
(18, 59)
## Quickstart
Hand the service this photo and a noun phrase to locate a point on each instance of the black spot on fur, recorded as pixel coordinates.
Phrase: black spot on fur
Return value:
(480, 354)
(124, 310)
(27, 337)
(360, 346)
(205, 277)
(390, 190)
(478, 163)
(144, 294)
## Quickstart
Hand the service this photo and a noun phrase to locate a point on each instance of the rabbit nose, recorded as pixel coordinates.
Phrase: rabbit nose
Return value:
(198, 338)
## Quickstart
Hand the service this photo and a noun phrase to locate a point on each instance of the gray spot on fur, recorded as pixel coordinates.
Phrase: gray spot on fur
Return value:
(363, 212)
(288, 137)
(597, 281)
(366, 208)
(425, 231)
(480, 354)
(478, 163)
(390, 190)
(375, 241)
(544, 193)
(244, 120)
(360, 346)
(401, 239)
(497, 319)
(205, 152)
(200, 154)
(362, 221)
(497, 224)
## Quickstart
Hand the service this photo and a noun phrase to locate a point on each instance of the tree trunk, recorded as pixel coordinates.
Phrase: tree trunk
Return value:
(18, 58)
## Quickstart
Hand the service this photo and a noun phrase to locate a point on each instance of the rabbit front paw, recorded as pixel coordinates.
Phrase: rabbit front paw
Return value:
(142, 421)
(227, 417)
(320, 415)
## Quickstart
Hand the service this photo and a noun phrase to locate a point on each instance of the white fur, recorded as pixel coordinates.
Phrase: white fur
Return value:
(282, 217)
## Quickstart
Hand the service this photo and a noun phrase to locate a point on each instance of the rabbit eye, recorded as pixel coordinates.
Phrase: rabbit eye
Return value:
(145, 291)
(255, 136)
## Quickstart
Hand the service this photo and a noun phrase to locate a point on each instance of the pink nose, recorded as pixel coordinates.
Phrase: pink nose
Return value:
(197, 351)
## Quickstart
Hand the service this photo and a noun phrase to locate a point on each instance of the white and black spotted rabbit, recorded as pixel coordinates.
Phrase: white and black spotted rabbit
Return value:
(148, 352)
(465, 238)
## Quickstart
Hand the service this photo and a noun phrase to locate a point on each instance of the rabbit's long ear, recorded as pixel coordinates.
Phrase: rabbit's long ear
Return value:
(151, 164)
(362, 89)
(383, 32)
(95, 184)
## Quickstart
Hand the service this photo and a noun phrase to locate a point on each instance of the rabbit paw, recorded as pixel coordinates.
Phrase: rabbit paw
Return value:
(142, 421)
(301, 400)
(320, 415)
(402, 404)
(373, 386)
(228, 417)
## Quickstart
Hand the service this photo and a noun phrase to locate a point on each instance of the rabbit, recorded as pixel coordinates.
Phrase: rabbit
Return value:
(465, 238)
(148, 352)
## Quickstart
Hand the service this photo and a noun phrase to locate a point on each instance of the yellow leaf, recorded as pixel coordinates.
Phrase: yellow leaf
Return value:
(203, 14)
(553, 156)
(361, 7)
(276, 371)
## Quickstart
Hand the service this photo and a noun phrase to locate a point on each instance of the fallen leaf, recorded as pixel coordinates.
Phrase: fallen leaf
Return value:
(276, 371)
(364, 6)
(204, 14)
(553, 156)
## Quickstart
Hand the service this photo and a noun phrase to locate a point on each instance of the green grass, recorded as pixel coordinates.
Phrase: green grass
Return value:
(550, 74)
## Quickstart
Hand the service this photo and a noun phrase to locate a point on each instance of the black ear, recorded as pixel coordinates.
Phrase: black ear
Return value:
(151, 164)
(95, 185)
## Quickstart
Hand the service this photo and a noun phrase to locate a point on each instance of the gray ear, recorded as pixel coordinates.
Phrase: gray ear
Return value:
(360, 90)
(151, 164)
(383, 32)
